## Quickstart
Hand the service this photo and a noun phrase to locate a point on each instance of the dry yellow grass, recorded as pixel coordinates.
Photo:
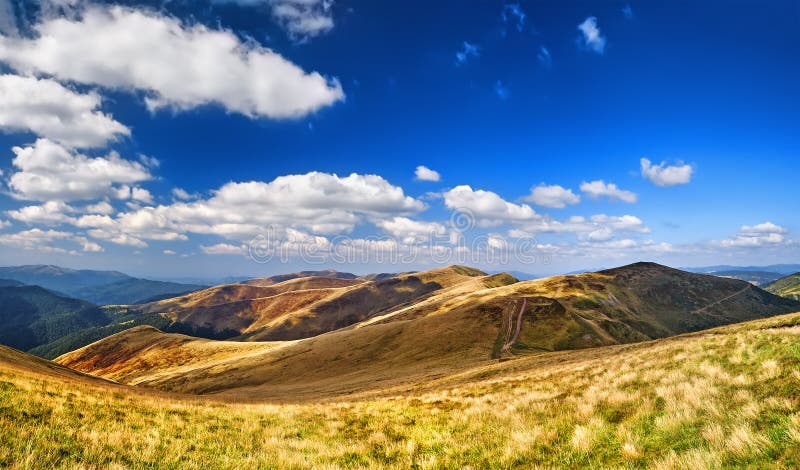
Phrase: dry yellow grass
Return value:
(723, 398)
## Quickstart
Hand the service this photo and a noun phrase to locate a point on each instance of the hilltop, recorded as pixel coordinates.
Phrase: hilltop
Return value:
(378, 334)
(97, 287)
(788, 287)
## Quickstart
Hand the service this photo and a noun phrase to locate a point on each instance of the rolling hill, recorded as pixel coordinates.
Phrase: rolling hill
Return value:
(758, 278)
(788, 287)
(378, 335)
(32, 316)
(721, 398)
(97, 287)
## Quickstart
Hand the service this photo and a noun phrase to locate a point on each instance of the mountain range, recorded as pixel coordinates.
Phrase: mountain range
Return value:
(315, 335)
(98, 287)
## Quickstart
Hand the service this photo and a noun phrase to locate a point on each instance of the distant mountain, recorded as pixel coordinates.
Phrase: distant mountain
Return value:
(277, 279)
(132, 291)
(784, 269)
(522, 276)
(758, 278)
(60, 279)
(32, 316)
(788, 287)
(10, 283)
(393, 330)
(98, 287)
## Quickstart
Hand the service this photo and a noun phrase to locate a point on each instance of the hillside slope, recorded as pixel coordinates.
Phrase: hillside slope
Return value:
(97, 287)
(32, 316)
(473, 320)
(788, 287)
(300, 307)
(723, 398)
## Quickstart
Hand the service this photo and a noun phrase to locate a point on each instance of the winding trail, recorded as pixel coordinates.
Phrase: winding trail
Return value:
(699, 310)
(507, 347)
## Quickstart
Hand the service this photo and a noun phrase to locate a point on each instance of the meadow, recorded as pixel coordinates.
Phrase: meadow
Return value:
(728, 397)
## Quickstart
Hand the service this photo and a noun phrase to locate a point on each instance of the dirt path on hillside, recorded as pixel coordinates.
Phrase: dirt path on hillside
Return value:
(507, 347)
(700, 310)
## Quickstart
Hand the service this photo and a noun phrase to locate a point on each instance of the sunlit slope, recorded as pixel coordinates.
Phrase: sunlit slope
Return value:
(300, 307)
(337, 363)
(722, 398)
(474, 320)
(627, 304)
(788, 287)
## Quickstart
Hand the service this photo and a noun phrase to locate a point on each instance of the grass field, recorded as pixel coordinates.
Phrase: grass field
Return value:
(728, 397)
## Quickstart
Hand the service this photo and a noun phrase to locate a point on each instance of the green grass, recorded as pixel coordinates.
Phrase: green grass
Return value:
(728, 398)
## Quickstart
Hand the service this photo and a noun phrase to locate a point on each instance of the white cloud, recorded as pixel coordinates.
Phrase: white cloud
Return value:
(467, 51)
(48, 171)
(43, 240)
(666, 175)
(766, 227)
(141, 195)
(178, 66)
(223, 249)
(554, 196)
(753, 236)
(49, 213)
(169, 252)
(51, 110)
(600, 188)
(303, 19)
(411, 231)
(592, 37)
(487, 207)
(319, 202)
(423, 173)
(182, 194)
(597, 227)
(102, 207)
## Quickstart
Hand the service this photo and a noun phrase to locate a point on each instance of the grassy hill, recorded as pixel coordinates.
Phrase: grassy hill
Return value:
(788, 287)
(383, 334)
(32, 316)
(721, 398)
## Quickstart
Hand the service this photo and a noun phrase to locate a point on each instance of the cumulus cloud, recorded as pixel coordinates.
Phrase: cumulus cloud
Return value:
(303, 19)
(410, 231)
(487, 207)
(423, 173)
(467, 52)
(666, 175)
(49, 213)
(51, 110)
(318, 202)
(753, 236)
(47, 171)
(177, 66)
(600, 188)
(223, 249)
(592, 38)
(554, 196)
(44, 240)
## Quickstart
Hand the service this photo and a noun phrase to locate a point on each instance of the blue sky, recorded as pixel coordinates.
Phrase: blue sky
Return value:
(238, 103)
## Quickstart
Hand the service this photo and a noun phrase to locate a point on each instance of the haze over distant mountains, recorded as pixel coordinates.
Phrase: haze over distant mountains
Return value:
(98, 287)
